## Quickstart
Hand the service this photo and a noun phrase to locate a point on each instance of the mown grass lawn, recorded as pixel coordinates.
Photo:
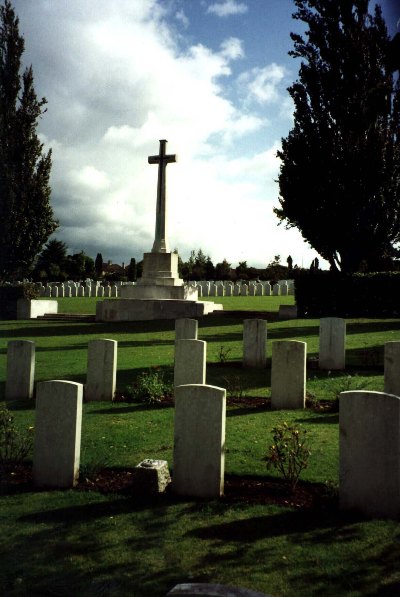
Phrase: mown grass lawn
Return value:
(89, 543)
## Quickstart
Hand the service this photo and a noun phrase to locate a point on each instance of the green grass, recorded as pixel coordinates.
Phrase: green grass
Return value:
(66, 542)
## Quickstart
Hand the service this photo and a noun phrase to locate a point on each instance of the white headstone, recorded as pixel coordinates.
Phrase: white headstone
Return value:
(199, 441)
(369, 453)
(288, 374)
(190, 362)
(186, 329)
(332, 343)
(20, 369)
(101, 370)
(254, 342)
(57, 442)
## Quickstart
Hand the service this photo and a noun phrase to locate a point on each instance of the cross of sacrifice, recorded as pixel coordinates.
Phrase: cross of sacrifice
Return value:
(162, 159)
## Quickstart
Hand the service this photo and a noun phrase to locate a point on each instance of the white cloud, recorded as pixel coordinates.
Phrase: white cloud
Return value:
(261, 84)
(117, 81)
(232, 48)
(227, 8)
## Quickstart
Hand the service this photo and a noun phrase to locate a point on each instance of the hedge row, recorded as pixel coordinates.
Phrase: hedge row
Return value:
(327, 294)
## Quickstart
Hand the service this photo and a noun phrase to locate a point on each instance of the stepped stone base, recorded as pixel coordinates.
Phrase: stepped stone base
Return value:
(156, 291)
(150, 309)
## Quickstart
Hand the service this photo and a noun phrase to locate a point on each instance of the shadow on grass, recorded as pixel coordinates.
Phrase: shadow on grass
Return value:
(331, 418)
(126, 407)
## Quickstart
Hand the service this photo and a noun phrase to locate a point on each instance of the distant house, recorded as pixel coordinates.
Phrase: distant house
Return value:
(113, 270)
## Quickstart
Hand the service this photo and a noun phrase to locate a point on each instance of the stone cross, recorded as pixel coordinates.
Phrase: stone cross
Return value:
(160, 241)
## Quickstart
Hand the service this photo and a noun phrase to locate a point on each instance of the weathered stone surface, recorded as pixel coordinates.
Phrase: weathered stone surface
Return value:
(199, 441)
(254, 342)
(101, 370)
(332, 343)
(58, 422)
(20, 369)
(190, 362)
(392, 368)
(31, 309)
(153, 475)
(287, 312)
(369, 453)
(149, 309)
(288, 374)
(186, 329)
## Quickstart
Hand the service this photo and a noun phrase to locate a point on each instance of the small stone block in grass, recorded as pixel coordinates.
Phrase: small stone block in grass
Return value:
(153, 475)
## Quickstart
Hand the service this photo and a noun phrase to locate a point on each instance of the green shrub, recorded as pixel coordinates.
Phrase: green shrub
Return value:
(151, 387)
(14, 444)
(289, 453)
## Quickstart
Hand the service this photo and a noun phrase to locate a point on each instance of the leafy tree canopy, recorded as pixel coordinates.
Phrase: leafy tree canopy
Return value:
(340, 173)
(26, 217)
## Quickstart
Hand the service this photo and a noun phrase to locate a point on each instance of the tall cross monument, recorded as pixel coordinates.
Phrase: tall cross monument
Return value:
(162, 159)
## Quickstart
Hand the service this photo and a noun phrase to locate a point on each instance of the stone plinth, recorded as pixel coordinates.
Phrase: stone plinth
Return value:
(160, 292)
(57, 443)
(199, 441)
(31, 309)
(160, 268)
(153, 475)
(149, 309)
(369, 453)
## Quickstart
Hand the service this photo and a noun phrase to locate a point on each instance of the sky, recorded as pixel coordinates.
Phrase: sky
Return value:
(210, 77)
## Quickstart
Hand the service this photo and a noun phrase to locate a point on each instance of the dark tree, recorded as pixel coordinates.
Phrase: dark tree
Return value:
(51, 263)
(26, 217)
(98, 264)
(223, 270)
(340, 173)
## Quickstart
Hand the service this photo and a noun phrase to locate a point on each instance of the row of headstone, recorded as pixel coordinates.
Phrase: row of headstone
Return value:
(100, 376)
(207, 289)
(332, 343)
(75, 289)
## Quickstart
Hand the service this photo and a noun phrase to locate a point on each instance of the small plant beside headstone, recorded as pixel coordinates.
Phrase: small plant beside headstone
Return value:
(15, 445)
(289, 453)
(151, 387)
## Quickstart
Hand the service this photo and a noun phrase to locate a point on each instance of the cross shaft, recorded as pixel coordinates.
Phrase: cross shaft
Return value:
(162, 159)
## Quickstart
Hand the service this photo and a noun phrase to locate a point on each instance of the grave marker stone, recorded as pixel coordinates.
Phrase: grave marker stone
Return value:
(20, 369)
(199, 441)
(332, 343)
(101, 370)
(254, 342)
(392, 368)
(288, 374)
(190, 362)
(369, 453)
(186, 329)
(57, 442)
